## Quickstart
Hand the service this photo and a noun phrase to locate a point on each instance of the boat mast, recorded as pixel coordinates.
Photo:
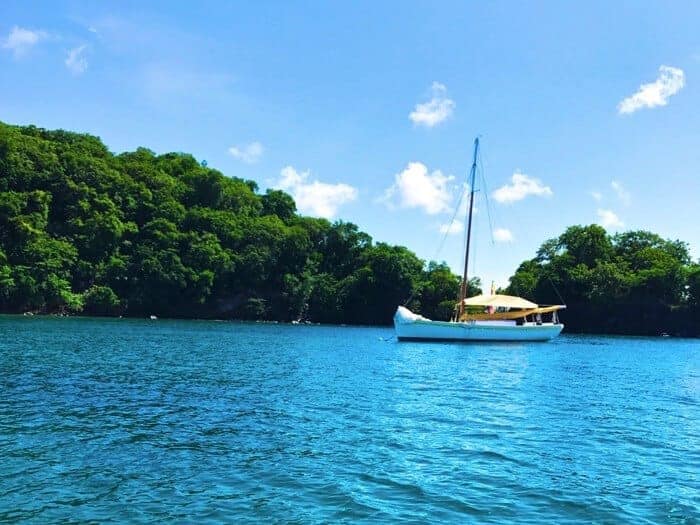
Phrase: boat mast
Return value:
(472, 181)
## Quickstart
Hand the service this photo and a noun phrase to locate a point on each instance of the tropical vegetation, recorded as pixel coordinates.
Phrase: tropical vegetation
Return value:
(629, 283)
(83, 230)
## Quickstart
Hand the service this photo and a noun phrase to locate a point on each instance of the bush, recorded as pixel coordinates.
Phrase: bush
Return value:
(101, 300)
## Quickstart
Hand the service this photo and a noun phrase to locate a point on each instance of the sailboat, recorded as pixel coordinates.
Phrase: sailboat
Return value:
(494, 317)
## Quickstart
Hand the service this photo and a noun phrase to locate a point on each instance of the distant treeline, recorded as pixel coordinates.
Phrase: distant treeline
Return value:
(629, 283)
(85, 231)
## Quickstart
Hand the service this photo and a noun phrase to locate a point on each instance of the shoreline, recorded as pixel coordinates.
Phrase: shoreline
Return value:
(663, 335)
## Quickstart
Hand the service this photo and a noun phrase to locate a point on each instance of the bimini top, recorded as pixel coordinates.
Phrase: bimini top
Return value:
(499, 301)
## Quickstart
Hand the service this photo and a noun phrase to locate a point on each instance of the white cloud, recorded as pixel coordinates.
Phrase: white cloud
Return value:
(622, 193)
(609, 220)
(76, 61)
(597, 196)
(248, 153)
(502, 235)
(452, 228)
(21, 40)
(669, 82)
(438, 109)
(520, 187)
(314, 197)
(415, 187)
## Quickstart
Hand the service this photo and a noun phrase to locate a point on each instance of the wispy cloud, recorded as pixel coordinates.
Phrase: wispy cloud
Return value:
(313, 197)
(503, 235)
(20, 40)
(416, 187)
(621, 192)
(521, 186)
(248, 153)
(164, 81)
(609, 219)
(438, 109)
(144, 34)
(76, 61)
(669, 82)
(597, 196)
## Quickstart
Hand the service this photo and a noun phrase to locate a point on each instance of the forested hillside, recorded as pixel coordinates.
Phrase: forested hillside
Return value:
(629, 283)
(83, 230)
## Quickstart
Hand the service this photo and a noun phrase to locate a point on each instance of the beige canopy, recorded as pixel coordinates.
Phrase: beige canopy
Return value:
(499, 301)
(522, 308)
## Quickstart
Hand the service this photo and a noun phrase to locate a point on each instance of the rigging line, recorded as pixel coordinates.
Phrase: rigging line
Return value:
(486, 198)
(556, 290)
(475, 246)
(441, 245)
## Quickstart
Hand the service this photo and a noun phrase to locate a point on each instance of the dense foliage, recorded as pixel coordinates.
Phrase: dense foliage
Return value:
(83, 230)
(629, 283)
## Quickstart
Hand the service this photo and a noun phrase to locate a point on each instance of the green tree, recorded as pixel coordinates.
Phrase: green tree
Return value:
(633, 282)
(439, 292)
(389, 276)
(101, 300)
(279, 203)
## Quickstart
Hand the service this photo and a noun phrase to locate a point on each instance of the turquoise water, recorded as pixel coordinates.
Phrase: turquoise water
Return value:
(202, 421)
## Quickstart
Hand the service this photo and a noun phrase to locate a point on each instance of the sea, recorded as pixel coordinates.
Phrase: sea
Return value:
(134, 421)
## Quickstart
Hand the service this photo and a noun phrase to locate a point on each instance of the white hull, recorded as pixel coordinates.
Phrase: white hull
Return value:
(410, 326)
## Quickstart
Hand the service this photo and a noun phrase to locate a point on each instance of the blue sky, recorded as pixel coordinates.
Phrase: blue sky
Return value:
(367, 111)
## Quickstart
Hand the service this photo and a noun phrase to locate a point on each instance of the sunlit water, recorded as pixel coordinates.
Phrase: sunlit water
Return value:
(202, 421)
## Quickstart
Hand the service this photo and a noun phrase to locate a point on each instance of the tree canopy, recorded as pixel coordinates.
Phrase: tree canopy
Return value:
(84, 230)
(631, 283)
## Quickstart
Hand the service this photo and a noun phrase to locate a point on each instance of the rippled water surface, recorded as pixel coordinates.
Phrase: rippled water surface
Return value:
(206, 421)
